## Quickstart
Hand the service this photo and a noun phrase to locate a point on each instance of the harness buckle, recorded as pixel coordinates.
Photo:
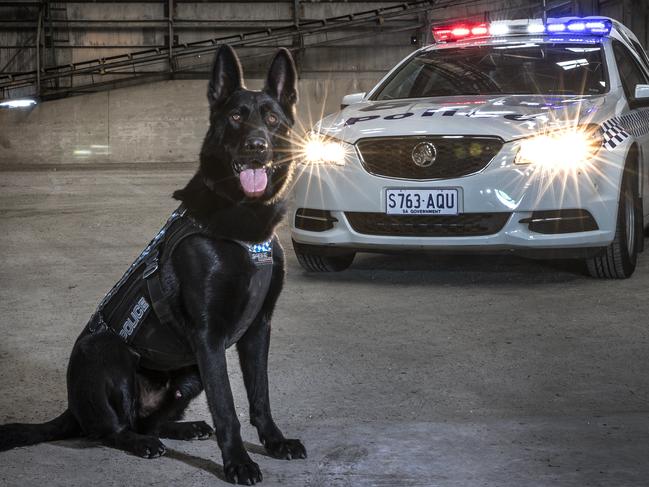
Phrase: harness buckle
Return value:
(96, 322)
(151, 266)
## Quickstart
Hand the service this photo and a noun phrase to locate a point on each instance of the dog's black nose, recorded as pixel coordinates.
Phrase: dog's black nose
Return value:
(256, 144)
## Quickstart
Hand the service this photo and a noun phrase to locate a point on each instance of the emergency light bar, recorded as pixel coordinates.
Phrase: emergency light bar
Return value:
(597, 26)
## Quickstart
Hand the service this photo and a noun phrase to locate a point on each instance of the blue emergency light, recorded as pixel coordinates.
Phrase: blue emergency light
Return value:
(580, 25)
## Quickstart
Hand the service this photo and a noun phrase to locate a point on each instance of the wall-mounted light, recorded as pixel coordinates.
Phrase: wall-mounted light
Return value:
(20, 103)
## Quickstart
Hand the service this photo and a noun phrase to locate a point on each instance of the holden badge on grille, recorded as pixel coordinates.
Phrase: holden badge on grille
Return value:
(424, 154)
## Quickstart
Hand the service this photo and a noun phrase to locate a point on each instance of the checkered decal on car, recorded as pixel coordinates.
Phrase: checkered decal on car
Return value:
(613, 133)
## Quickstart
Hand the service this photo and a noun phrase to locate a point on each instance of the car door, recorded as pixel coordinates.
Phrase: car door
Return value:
(632, 72)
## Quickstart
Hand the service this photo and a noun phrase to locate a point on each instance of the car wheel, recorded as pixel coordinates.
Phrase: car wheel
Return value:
(314, 262)
(619, 259)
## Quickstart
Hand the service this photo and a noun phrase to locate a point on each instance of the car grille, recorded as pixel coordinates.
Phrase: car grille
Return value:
(456, 157)
(464, 225)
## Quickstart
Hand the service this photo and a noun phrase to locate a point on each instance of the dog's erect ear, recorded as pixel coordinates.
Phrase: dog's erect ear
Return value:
(281, 82)
(227, 76)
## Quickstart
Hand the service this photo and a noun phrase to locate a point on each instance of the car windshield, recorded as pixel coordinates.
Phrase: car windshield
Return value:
(518, 69)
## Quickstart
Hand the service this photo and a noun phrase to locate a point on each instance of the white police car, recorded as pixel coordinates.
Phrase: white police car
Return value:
(523, 136)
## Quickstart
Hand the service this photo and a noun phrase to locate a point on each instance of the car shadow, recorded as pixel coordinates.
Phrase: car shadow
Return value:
(459, 270)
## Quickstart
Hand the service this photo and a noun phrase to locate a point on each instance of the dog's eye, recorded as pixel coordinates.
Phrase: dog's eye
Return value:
(271, 119)
(235, 117)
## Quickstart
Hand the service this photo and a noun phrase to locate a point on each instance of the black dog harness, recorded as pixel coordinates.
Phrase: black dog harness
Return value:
(139, 311)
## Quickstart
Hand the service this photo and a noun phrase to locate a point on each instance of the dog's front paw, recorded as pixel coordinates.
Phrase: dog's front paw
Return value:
(245, 472)
(286, 449)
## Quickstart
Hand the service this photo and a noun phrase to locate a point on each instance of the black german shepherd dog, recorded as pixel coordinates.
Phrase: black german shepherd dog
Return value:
(237, 194)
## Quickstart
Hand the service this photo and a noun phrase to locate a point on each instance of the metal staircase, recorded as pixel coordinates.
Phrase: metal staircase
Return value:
(63, 80)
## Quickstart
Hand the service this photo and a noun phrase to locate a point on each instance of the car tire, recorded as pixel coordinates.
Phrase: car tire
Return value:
(313, 262)
(618, 260)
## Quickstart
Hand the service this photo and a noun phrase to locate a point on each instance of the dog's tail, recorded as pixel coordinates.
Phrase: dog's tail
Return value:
(23, 434)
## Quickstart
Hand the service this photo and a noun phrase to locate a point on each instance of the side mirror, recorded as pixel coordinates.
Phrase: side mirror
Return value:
(641, 97)
(641, 92)
(351, 99)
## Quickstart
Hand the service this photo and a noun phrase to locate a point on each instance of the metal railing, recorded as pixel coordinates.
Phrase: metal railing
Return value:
(46, 79)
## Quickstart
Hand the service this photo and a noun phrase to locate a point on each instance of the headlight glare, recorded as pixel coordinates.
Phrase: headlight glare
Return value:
(323, 150)
(560, 150)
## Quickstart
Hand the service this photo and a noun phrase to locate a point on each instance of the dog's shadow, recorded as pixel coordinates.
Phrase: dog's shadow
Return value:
(205, 464)
(256, 449)
(193, 461)
(210, 466)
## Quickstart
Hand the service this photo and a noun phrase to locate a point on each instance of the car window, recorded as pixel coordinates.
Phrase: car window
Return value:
(513, 68)
(630, 72)
(642, 54)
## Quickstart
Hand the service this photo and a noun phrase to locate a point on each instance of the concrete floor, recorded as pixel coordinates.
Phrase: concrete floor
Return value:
(403, 371)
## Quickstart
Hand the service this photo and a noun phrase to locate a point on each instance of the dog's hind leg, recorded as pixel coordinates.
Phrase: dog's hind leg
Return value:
(144, 446)
(185, 430)
(184, 386)
(102, 394)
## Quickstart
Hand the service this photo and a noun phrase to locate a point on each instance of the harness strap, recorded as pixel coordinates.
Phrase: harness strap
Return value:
(160, 301)
(150, 249)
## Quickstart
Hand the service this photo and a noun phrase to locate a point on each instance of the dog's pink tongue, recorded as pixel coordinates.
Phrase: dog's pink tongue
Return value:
(253, 181)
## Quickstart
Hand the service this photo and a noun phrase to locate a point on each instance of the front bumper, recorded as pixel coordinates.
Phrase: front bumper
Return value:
(501, 187)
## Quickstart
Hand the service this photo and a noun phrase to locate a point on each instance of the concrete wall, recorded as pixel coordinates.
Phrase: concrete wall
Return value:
(165, 121)
(157, 122)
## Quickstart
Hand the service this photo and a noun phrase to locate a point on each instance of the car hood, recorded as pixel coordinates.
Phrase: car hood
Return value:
(508, 117)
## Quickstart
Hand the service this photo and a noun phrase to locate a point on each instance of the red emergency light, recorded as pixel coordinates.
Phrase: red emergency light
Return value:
(444, 33)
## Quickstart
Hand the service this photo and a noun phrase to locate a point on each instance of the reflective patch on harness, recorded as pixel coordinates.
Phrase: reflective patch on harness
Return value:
(136, 317)
(261, 253)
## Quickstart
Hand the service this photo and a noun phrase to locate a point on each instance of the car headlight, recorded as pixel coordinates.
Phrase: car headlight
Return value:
(563, 149)
(318, 149)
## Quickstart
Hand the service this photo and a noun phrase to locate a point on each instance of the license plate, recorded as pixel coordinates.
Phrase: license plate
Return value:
(422, 201)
